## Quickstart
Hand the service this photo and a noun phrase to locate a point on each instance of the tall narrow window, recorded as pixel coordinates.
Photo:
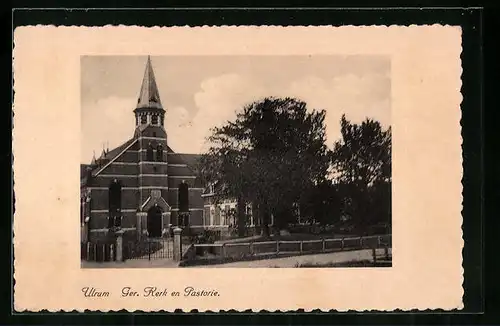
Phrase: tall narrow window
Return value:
(149, 153)
(162, 118)
(115, 204)
(183, 197)
(144, 119)
(154, 119)
(159, 153)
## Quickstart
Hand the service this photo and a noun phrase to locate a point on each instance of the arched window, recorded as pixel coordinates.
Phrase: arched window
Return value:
(149, 153)
(183, 197)
(115, 204)
(154, 119)
(159, 153)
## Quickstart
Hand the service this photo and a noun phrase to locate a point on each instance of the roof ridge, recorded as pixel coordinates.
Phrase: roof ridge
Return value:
(132, 142)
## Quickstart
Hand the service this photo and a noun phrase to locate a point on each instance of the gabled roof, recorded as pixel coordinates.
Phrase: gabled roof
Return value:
(149, 97)
(114, 152)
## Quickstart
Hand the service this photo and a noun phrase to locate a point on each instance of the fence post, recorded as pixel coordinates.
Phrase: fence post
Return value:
(177, 244)
(112, 252)
(250, 248)
(386, 251)
(342, 244)
(95, 251)
(88, 251)
(119, 245)
(374, 252)
(379, 241)
(323, 245)
(223, 250)
(301, 242)
(277, 247)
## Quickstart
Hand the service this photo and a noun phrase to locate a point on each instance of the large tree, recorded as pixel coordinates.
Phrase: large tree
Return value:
(271, 153)
(361, 162)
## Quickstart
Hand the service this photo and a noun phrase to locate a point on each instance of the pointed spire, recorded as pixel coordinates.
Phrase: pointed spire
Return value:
(94, 161)
(103, 153)
(149, 97)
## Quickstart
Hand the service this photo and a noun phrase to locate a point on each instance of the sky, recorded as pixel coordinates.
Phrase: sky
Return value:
(201, 92)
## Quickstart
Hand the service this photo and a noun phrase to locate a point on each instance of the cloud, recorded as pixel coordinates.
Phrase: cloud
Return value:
(217, 102)
(220, 97)
(356, 97)
(110, 120)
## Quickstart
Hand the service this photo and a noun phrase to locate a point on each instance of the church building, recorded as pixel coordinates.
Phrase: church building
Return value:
(142, 186)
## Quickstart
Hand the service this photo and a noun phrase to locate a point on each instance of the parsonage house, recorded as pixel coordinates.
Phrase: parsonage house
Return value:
(145, 188)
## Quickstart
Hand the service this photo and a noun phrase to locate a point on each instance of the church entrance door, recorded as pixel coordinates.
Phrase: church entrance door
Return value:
(154, 222)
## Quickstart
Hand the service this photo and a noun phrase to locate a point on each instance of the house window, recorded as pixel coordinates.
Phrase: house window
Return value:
(227, 215)
(161, 119)
(154, 120)
(206, 216)
(115, 203)
(217, 216)
(144, 119)
(222, 218)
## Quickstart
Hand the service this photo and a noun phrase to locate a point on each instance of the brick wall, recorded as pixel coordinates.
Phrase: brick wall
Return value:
(175, 182)
(121, 169)
(195, 200)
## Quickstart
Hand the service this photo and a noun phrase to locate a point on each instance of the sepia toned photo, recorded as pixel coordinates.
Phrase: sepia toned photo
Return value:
(233, 164)
(316, 168)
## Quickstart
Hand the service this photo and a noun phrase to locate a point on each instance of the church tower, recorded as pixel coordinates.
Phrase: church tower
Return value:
(153, 211)
(149, 112)
(141, 186)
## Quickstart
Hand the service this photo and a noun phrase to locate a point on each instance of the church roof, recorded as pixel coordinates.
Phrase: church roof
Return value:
(149, 97)
(191, 160)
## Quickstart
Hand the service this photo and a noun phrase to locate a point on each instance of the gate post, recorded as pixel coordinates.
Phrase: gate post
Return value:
(119, 245)
(177, 244)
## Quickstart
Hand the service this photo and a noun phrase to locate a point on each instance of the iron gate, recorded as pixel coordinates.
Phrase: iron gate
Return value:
(150, 249)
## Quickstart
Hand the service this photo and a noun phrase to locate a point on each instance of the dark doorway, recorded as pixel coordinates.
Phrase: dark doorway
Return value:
(154, 222)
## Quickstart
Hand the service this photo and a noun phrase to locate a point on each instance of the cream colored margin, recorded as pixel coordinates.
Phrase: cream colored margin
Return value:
(427, 171)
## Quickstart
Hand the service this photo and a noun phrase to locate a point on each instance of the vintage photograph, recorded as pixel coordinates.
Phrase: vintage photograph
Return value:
(235, 161)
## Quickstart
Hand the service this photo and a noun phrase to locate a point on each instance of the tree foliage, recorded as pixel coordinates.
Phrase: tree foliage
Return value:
(271, 154)
(361, 162)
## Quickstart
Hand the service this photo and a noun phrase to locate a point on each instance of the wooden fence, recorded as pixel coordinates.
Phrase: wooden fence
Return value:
(282, 247)
(99, 252)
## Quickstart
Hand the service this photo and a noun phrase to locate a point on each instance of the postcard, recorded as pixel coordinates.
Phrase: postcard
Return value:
(237, 167)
